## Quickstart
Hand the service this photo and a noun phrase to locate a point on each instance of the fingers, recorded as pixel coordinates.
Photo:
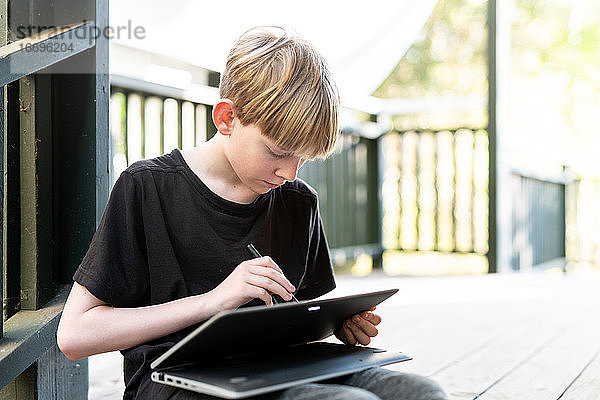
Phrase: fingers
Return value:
(267, 268)
(274, 275)
(270, 285)
(265, 262)
(367, 327)
(262, 294)
(257, 278)
(265, 274)
(363, 327)
(346, 336)
(350, 339)
(256, 292)
(371, 317)
(357, 332)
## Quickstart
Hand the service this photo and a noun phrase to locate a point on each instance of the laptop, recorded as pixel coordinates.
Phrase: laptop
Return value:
(256, 350)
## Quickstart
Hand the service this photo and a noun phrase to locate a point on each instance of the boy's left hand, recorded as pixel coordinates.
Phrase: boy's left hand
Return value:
(359, 329)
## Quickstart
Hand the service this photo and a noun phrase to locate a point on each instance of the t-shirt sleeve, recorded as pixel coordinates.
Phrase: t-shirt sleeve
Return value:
(114, 268)
(319, 278)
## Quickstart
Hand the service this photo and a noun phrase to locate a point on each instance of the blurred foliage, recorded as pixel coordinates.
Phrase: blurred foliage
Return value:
(559, 36)
(448, 59)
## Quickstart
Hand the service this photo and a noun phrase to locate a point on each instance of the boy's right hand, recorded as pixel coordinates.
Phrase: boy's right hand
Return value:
(257, 278)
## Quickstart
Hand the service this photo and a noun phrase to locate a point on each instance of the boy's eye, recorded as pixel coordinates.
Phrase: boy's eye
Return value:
(277, 155)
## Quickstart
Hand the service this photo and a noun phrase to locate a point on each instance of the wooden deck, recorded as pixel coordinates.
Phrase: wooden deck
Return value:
(534, 336)
(522, 336)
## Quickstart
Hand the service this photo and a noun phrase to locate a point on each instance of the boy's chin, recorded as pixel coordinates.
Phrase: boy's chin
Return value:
(262, 189)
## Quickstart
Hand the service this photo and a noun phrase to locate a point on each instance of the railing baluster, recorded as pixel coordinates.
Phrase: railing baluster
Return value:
(436, 205)
(454, 196)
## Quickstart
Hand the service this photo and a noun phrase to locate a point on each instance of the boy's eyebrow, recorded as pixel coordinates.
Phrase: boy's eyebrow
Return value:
(274, 148)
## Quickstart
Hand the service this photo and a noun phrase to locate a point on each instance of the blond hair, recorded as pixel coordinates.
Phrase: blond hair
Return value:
(281, 84)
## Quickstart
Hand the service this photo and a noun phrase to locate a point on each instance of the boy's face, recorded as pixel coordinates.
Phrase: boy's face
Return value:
(257, 161)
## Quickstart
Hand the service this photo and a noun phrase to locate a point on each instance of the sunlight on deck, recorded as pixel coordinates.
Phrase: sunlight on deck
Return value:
(433, 263)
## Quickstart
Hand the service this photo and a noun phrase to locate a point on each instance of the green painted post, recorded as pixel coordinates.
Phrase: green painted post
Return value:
(82, 150)
(337, 209)
(211, 129)
(22, 387)
(12, 208)
(330, 204)
(346, 219)
(36, 192)
(56, 373)
(3, 41)
(374, 205)
(492, 60)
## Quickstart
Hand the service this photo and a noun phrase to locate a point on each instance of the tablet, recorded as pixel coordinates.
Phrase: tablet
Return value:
(259, 328)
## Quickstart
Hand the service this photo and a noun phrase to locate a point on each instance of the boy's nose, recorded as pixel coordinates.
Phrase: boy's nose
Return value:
(289, 169)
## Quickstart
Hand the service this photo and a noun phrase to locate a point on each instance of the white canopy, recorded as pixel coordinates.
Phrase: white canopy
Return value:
(362, 41)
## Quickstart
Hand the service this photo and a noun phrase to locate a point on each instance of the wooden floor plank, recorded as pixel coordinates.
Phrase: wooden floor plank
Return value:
(587, 385)
(471, 376)
(546, 375)
(449, 335)
(469, 338)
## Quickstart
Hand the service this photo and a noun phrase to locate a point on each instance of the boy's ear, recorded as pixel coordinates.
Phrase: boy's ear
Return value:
(223, 114)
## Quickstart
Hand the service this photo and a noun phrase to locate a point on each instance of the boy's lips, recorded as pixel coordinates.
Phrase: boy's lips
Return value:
(272, 185)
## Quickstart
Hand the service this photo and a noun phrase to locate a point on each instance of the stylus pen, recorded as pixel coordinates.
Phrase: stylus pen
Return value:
(256, 254)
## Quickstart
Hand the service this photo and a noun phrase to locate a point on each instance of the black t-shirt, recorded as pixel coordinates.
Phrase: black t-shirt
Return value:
(165, 235)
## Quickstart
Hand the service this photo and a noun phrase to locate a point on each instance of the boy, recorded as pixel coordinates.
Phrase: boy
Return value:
(170, 251)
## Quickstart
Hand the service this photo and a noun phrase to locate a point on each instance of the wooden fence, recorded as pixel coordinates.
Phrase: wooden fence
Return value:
(146, 125)
(538, 221)
(435, 191)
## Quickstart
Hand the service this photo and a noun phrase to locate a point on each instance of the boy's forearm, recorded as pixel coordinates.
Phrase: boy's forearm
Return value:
(104, 328)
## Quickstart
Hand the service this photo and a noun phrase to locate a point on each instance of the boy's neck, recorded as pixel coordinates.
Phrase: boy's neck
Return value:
(209, 162)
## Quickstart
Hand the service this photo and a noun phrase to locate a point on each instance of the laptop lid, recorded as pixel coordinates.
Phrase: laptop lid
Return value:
(252, 329)
(253, 374)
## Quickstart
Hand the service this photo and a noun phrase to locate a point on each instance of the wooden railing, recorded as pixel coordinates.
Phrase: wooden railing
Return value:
(348, 187)
(435, 191)
(538, 221)
(146, 125)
